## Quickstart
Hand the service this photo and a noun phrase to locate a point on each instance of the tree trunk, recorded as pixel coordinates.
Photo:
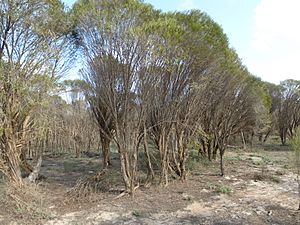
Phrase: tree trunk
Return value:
(283, 138)
(243, 140)
(164, 152)
(215, 150)
(77, 150)
(209, 150)
(175, 152)
(267, 135)
(182, 152)
(133, 170)
(251, 139)
(182, 164)
(150, 174)
(12, 159)
(202, 151)
(125, 171)
(221, 151)
(283, 133)
(105, 142)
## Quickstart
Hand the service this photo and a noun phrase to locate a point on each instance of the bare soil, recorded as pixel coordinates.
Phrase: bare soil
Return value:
(259, 188)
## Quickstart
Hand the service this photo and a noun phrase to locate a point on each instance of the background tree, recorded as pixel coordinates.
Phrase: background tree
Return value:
(288, 117)
(229, 107)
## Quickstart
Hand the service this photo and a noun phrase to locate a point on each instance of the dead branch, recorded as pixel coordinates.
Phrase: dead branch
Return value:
(94, 184)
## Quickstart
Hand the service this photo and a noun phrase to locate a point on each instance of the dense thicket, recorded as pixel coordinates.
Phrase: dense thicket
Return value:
(158, 84)
(162, 79)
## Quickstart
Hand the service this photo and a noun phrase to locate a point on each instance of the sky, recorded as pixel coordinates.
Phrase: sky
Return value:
(264, 33)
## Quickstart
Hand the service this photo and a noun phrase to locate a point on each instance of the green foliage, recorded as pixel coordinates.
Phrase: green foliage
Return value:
(192, 164)
(221, 189)
(137, 213)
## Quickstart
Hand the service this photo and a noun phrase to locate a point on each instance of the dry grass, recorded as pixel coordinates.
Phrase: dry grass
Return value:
(89, 186)
(265, 176)
(25, 202)
(70, 190)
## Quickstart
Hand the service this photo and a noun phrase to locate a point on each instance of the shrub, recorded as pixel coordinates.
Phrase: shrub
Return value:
(222, 189)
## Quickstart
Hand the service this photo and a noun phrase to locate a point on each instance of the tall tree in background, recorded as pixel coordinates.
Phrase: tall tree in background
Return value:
(289, 109)
(229, 106)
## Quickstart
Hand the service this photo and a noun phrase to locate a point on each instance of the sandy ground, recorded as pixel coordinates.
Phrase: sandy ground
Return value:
(259, 188)
(256, 203)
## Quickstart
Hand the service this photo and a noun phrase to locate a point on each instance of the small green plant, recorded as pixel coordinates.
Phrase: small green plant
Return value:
(205, 162)
(266, 159)
(137, 213)
(221, 189)
(211, 186)
(286, 166)
(192, 164)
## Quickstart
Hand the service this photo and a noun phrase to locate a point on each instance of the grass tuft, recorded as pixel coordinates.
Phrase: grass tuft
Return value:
(221, 189)
(137, 213)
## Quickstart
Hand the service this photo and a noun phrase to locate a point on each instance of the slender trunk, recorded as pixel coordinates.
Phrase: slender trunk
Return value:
(77, 151)
(267, 135)
(125, 170)
(164, 159)
(150, 174)
(128, 156)
(182, 164)
(251, 139)
(176, 153)
(202, 151)
(283, 136)
(209, 150)
(182, 156)
(283, 139)
(215, 149)
(105, 142)
(89, 144)
(133, 170)
(221, 151)
(243, 140)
